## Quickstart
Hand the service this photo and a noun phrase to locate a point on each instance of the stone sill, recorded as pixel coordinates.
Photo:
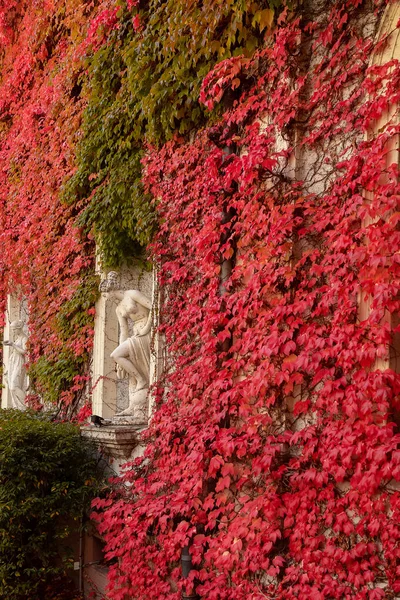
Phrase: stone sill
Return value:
(117, 441)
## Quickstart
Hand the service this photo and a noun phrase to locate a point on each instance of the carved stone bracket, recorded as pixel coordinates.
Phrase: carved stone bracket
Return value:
(118, 442)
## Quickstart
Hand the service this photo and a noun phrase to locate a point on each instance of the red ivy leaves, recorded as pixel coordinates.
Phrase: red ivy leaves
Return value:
(100, 27)
(225, 75)
(274, 450)
(44, 256)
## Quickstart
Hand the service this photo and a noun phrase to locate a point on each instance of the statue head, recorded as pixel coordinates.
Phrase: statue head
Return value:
(16, 325)
(110, 283)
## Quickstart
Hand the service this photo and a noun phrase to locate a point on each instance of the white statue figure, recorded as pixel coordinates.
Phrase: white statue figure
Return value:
(133, 353)
(16, 372)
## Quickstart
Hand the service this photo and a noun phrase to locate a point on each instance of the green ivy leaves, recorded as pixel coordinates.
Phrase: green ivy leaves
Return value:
(143, 87)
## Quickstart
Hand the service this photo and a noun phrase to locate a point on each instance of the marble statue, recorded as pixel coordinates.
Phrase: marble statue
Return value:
(15, 369)
(132, 355)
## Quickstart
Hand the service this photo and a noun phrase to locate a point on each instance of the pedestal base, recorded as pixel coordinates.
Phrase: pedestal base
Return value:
(136, 421)
(137, 412)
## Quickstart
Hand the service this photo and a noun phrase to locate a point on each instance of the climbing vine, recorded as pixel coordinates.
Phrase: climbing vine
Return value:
(143, 85)
(79, 95)
(273, 451)
(267, 134)
(46, 259)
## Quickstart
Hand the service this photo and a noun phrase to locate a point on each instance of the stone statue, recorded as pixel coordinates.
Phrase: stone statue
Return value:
(15, 369)
(133, 353)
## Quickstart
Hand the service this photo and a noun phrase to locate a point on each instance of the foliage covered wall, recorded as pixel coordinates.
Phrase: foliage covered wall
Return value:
(44, 257)
(267, 135)
(83, 85)
(273, 454)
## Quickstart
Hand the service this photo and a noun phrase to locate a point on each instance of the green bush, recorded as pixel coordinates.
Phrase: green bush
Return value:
(48, 476)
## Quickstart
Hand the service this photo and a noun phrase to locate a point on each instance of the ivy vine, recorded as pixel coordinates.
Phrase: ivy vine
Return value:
(143, 86)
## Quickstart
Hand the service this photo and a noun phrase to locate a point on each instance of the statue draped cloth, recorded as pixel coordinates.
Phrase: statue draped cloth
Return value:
(139, 354)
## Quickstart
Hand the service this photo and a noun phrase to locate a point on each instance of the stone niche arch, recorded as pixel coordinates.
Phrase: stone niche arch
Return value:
(109, 394)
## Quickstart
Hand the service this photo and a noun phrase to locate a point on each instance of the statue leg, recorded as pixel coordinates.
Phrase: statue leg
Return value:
(121, 357)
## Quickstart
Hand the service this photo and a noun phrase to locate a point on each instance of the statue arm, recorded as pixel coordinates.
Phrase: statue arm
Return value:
(147, 327)
(17, 348)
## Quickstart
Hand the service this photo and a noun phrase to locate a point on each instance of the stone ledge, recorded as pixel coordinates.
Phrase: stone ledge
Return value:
(117, 441)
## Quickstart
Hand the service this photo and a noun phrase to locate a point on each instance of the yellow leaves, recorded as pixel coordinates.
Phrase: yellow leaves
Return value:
(264, 18)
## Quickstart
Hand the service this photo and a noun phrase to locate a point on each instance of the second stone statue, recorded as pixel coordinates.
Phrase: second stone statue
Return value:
(132, 355)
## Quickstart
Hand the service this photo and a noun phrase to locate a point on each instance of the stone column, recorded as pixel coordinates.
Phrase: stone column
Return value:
(104, 395)
(157, 356)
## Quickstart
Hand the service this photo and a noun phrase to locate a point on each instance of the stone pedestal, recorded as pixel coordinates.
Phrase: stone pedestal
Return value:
(137, 412)
(119, 443)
